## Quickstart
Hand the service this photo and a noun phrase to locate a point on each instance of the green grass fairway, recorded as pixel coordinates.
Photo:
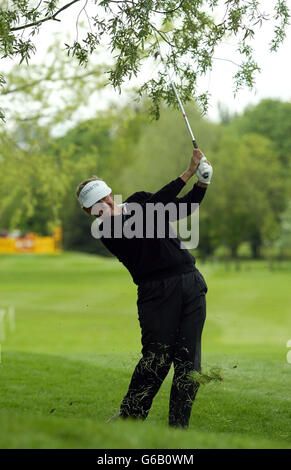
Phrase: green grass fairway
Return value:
(67, 365)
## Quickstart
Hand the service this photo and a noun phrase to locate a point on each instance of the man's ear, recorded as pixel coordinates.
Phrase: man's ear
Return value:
(108, 198)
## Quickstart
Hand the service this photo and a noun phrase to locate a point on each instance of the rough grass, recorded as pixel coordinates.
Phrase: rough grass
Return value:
(67, 365)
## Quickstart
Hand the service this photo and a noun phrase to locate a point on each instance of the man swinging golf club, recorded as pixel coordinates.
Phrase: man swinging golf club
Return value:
(171, 291)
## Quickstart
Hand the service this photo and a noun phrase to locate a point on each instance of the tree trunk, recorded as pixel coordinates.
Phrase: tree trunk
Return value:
(233, 249)
(256, 246)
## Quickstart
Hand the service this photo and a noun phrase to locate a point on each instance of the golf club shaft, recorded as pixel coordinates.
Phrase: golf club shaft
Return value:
(184, 115)
(195, 145)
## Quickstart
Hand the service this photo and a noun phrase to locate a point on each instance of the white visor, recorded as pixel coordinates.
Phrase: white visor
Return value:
(93, 192)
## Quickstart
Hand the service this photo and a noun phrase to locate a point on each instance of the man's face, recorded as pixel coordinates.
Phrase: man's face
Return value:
(103, 208)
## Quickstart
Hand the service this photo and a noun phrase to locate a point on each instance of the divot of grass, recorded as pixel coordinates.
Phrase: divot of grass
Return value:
(214, 374)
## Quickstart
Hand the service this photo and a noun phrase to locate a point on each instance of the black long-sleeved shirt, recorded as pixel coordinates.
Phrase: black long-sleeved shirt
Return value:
(153, 258)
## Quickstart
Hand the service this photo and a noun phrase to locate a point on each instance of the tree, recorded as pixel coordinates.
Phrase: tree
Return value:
(271, 119)
(39, 173)
(51, 92)
(283, 243)
(225, 115)
(38, 181)
(247, 193)
(163, 152)
(111, 137)
(246, 196)
(164, 149)
(187, 31)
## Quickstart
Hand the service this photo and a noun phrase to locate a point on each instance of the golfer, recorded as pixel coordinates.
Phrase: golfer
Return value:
(171, 291)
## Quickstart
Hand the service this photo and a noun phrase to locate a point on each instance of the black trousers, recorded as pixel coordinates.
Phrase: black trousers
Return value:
(171, 314)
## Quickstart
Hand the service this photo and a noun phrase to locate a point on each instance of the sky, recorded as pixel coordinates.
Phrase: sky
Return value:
(274, 80)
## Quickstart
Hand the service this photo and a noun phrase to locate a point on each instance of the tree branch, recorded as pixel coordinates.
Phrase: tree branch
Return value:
(162, 35)
(166, 12)
(47, 18)
(226, 60)
(48, 79)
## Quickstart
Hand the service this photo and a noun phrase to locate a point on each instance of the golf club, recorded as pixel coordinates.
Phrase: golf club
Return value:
(195, 145)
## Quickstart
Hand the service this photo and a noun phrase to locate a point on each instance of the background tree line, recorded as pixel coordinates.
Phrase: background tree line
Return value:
(247, 209)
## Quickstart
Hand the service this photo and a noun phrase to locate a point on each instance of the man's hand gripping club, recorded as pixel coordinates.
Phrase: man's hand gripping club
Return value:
(201, 166)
